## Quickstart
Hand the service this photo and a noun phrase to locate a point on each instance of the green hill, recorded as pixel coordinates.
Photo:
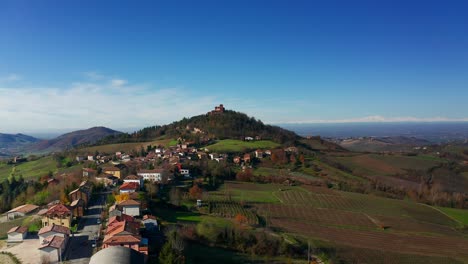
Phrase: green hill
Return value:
(226, 125)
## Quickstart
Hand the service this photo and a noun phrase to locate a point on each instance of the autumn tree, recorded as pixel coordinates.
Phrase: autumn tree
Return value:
(121, 197)
(195, 192)
(241, 219)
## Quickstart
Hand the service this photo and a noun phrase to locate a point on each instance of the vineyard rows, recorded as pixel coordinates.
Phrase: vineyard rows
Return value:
(230, 209)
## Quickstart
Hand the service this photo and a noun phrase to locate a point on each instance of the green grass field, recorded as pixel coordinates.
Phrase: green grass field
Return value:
(232, 145)
(458, 214)
(30, 169)
(35, 169)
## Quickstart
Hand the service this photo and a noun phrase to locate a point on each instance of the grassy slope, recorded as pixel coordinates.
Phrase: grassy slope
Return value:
(458, 214)
(233, 145)
(34, 169)
(30, 169)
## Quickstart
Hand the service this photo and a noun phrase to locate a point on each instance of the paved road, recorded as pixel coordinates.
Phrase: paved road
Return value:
(80, 247)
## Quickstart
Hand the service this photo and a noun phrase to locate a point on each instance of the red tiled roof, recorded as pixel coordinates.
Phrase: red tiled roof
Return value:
(18, 229)
(54, 228)
(122, 228)
(129, 186)
(125, 239)
(52, 241)
(133, 177)
(58, 209)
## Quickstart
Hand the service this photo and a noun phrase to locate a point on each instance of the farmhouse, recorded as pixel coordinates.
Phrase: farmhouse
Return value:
(114, 171)
(21, 211)
(54, 230)
(129, 187)
(134, 178)
(83, 192)
(52, 248)
(58, 214)
(17, 234)
(130, 207)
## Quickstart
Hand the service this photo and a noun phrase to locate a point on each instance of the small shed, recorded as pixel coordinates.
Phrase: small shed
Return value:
(17, 234)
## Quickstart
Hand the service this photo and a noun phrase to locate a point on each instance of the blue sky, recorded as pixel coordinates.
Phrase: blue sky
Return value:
(77, 64)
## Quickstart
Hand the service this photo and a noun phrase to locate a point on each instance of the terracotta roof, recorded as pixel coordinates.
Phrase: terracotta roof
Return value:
(18, 229)
(125, 239)
(26, 208)
(129, 202)
(58, 209)
(52, 241)
(121, 218)
(129, 186)
(133, 177)
(122, 228)
(54, 228)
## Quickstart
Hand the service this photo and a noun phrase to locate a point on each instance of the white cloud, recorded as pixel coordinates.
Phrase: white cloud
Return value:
(378, 118)
(86, 104)
(92, 75)
(118, 82)
(10, 78)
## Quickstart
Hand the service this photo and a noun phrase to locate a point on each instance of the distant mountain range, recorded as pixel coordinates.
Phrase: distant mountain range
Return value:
(21, 144)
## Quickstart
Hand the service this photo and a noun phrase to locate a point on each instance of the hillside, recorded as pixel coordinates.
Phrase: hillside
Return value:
(11, 143)
(72, 139)
(226, 125)
(15, 140)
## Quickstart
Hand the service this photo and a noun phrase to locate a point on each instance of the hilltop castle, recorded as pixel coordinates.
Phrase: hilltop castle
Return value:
(218, 110)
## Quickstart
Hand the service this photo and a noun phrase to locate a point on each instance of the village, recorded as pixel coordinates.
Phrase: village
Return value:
(110, 205)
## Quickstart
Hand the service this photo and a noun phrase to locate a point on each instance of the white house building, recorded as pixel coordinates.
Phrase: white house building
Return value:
(155, 175)
(52, 248)
(17, 234)
(135, 179)
(130, 207)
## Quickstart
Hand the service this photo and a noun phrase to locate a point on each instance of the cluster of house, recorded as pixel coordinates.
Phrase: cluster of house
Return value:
(123, 229)
(56, 222)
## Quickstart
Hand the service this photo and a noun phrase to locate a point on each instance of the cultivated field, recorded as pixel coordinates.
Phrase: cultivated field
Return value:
(384, 165)
(362, 228)
(231, 209)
